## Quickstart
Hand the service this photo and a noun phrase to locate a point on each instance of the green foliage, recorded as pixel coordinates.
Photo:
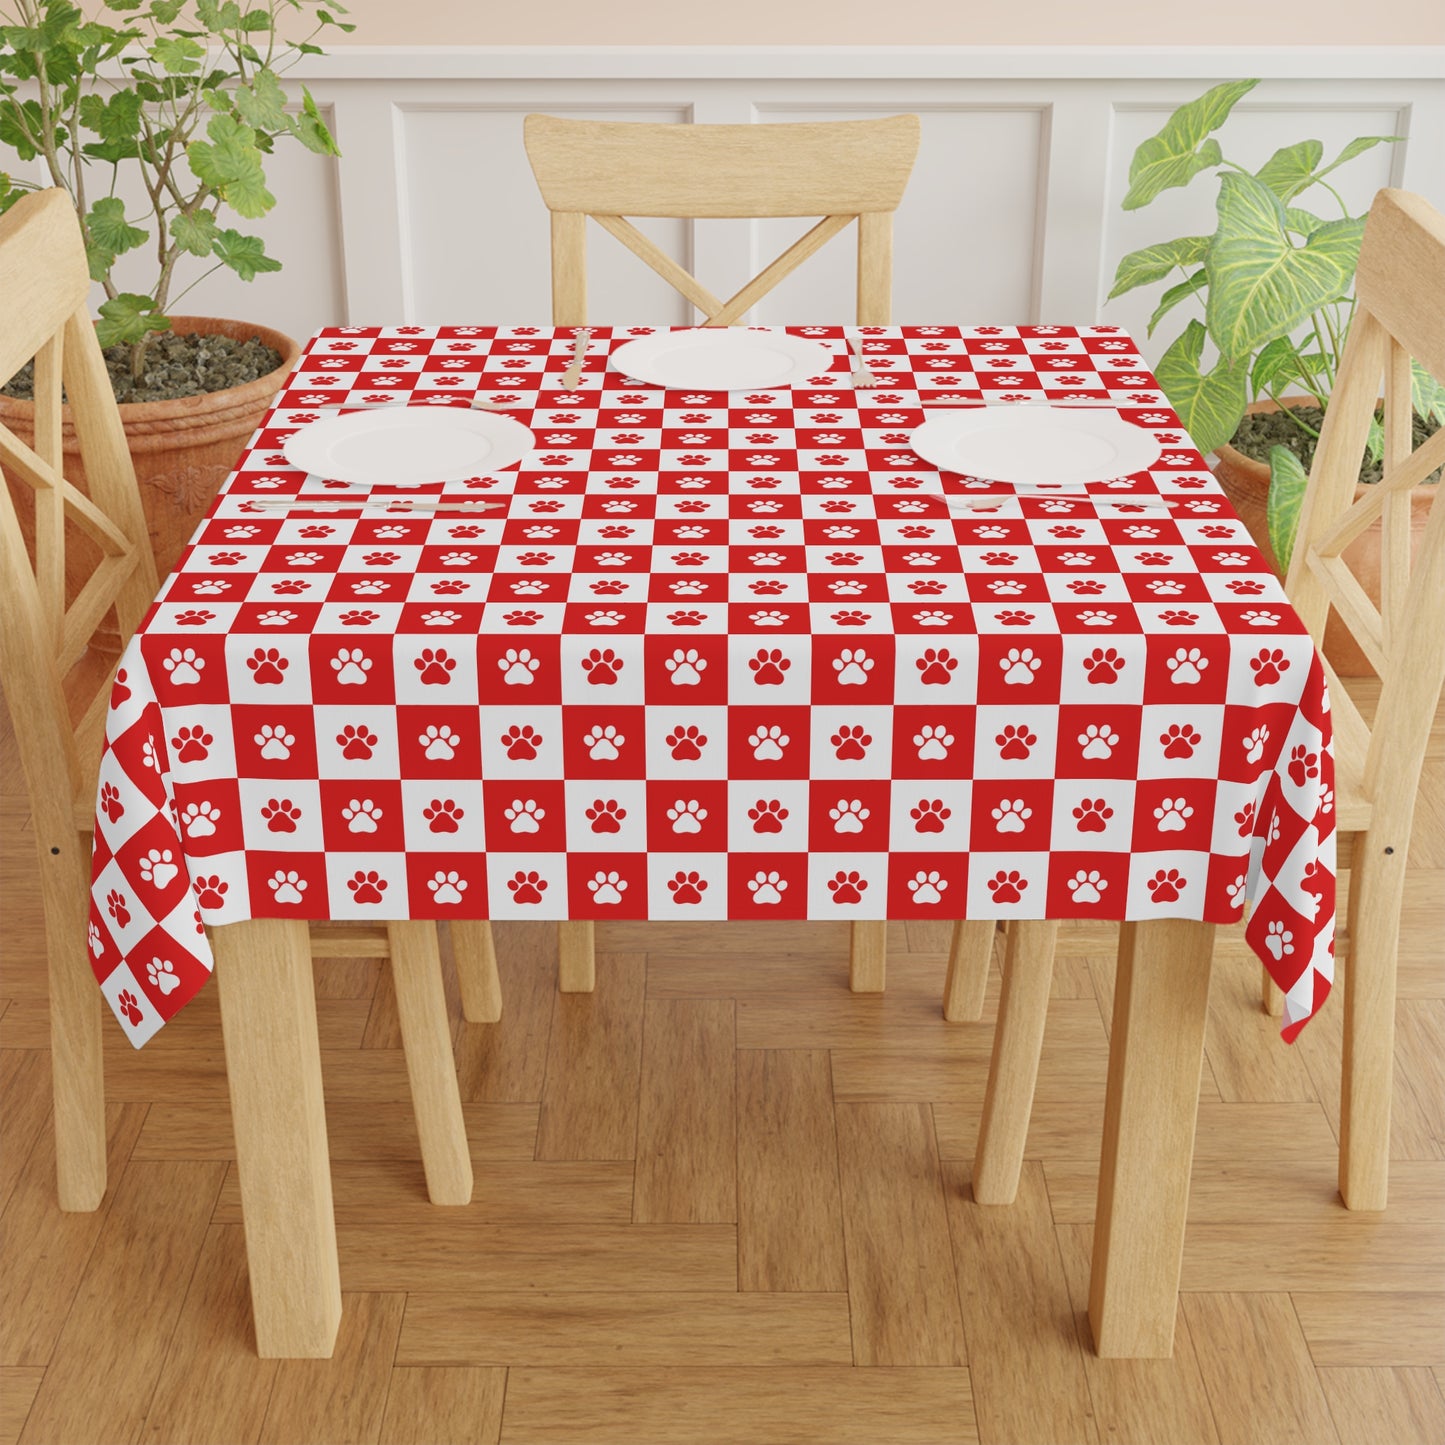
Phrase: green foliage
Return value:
(1180, 151)
(191, 95)
(1287, 481)
(1209, 403)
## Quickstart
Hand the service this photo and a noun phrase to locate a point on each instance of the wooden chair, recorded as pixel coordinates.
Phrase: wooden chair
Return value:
(609, 170)
(50, 681)
(1400, 315)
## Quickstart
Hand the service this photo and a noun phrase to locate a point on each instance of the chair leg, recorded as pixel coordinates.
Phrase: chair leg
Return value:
(1377, 886)
(868, 957)
(273, 1068)
(969, 957)
(1156, 1054)
(426, 1037)
(576, 957)
(476, 961)
(76, 1063)
(1017, 1043)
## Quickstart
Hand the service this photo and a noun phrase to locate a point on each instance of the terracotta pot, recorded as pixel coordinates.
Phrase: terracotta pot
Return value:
(1246, 483)
(182, 449)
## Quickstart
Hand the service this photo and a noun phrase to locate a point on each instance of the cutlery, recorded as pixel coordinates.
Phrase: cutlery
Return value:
(482, 404)
(960, 401)
(573, 374)
(407, 504)
(863, 378)
(994, 499)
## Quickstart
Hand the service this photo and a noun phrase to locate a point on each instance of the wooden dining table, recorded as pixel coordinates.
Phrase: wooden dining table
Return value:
(709, 656)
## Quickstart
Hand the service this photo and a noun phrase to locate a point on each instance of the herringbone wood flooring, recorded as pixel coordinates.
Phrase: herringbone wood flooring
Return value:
(724, 1200)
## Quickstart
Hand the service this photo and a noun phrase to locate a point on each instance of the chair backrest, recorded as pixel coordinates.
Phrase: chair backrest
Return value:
(1399, 316)
(43, 636)
(840, 170)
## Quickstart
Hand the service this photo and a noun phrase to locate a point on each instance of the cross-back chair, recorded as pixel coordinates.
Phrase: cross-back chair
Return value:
(58, 696)
(841, 170)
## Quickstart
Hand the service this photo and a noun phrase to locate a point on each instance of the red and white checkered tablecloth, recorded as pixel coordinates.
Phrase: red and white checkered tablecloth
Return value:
(723, 656)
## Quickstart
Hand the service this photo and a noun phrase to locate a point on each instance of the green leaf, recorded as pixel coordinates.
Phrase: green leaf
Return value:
(1276, 366)
(312, 131)
(1153, 263)
(262, 104)
(164, 12)
(1426, 394)
(108, 227)
(1174, 295)
(128, 318)
(196, 234)
(1375, 439)
(1358, 147)
(1260, 286)
(16, 119)
(245, 255)
(1287, 482)
(177, 56)
(1210, 404)
(1291, 169)
(1301, 222)
(230, 163)
(116, 120)
(1175, 156)
(256, 20)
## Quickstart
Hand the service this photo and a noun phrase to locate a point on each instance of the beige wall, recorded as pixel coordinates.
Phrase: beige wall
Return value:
(896, 22)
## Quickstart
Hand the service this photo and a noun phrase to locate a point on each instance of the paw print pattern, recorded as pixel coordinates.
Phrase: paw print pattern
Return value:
(847, 886)
(435, 665)
(356, 742)
(603, 743)
(1303, 765)
(936, 666)
(1279, 940)
(927, 886)
(1268, 666)
(768, 665)
(517, 666)
(769, 742)
(853, 666)
(162, 975)
(1019, 664)
(601, 666)
(933, 740)
(1179, 740)
(288, 886)
(211, 892)
(159, 867)
(521, 743)
(438, 743)
(192, 745)
(1103, 665)
(198, 820)
(366, 885)
(1098, 741)
(607, 887)
(526, 886)
(129, 1005)
(687, 886)
(1087, 886)
(184, 666)
(351, 665)
(443, 815)
(280, 815)
(1254, 744)
(524, 816)
(1172, 815)
(686, 666)
(1007, 886)
(686, 743)
(929, 815)
(1165, 886)
(687, 815)
(606, 815)
(115, 905)
(767, 887)
(767, 815)
(848, 815)
(361, 815)
(1016, 741)
(1011, 815)
(447, 886)
(1187, 666)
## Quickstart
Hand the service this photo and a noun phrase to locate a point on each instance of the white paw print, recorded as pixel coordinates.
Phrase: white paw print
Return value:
(1093, 618)
(607, 887)
(767, 559)
(1187, 665)
(162, 975)
(1076, 559)
(990, 534)
(848, 815)
(370, 587)
(691, 534)
(456, 559)
(439, 743)
(149, 755)
(1257, 618)
(361, 815)
(1279, 940)
(927, 887)
(932, 741)
(199, 819)
(1020, 664)
(922, 559)
(764, 506)
(239, 534)
(447, 887)
(1141, 532)
(529, 587)
(1274, 826)
(159, 867)
(1163, 587)
(303, 559)
(607, 617)
(687, 815)
(287, 886)
(767, 887)
(1232, 559)
(275, 742)
(766, 618)
(840, 533)
(390, 534)
(97, 947)
(1087, 886)
(1254, 744)
(351, 665)
(1238, 890)
(932, 618)
(768, 743)
(276, 618)
(848, 587)
(686, 667)
(612, 559)
(183, 665)
(212, 587)
(444, 617)
(1011, 815)
(524, 816)
(517, 666)
(603, 743)
(540, 534)
(1006, 587)
(1098, 740)
(852, 666)
(687, 588)
(1172, 814)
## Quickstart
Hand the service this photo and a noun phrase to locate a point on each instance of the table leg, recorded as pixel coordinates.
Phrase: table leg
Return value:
(969, 957)
(273, 1066)
(476, 960)
(576, 957)
(868, 957)
(1156, 1052)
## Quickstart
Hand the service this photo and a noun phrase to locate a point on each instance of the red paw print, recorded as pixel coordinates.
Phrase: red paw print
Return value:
(850, 618)
(115, 905)
(290, 587)
(110, 803)
(436, 666)
(687, 887)
(527, 887)
(765, 534)
(193, 618)
(280, 815)
(999, 559)
(1245, 819)
(1175, 618)
(129, 1005)
(1013, 618)
(837, 504)
(267, 665)
(936, 665)
(381, 559)
(356, 742)
(366, 886)
(1085, 587)
(686, 743)
(1103, 665)
(1165, 885)
(534, 559)
(1015, 741)
(1180, 740)
(767, 815)
(521, 742)
(601, 666)
(359, 618)
(1154, 559)
(1092, 815)
(929, 815)
(850, 743)
(465, 532)
(442, 815)
(688, 618)
(1007, 886)
(606, 815)
(525, 618)
(1268, 666)
(224, 559)
(1303, 764)
(192, 745)
(847, 887)
(844, 559)
(688, 559)
(768, 666)
(1245, 587)
(610, 587)
(1066, 534)
(449, 586)
(211, 892)
(767, 588)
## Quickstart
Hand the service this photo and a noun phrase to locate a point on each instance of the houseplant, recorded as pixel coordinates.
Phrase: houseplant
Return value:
(1274, 282)
(186, 99)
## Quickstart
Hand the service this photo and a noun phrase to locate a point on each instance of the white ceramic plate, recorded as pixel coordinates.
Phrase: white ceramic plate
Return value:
(721, 359)
(409, 446)
(1031, 446)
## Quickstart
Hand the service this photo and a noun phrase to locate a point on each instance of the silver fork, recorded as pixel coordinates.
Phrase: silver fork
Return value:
(863, 378)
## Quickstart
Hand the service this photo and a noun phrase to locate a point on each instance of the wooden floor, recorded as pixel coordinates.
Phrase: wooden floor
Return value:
(723, 1200)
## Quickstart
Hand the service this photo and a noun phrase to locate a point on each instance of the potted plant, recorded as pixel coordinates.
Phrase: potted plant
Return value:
(1274, 282)
(188, 99)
